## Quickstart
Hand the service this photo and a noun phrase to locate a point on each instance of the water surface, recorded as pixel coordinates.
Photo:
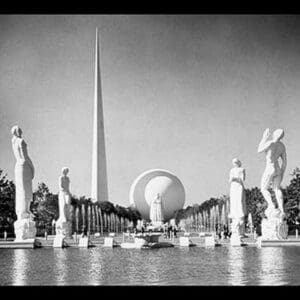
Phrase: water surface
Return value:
(170, 266)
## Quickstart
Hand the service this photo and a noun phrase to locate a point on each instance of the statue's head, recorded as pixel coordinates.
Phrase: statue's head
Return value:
(278, 134)
(65, 170)
(236, 162)
(16, 130)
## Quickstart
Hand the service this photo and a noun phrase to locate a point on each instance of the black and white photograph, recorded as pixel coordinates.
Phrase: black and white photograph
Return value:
(149, 150)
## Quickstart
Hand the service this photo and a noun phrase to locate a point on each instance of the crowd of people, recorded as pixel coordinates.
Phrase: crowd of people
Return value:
(168, 230)
(223, 232)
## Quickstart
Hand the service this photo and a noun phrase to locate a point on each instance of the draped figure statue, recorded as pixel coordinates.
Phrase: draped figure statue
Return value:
(237, 194)
(24, 173)
(237, 197)
(64, 223)
(156, 211)
(64, 196)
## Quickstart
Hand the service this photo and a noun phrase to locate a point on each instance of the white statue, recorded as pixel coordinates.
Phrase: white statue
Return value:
(273, 174)
(64, 223)
(64, 196)
(24, 173)
(156, 211)
(275, 225)
(238, 210)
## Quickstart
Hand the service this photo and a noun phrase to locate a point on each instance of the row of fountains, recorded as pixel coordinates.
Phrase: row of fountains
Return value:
(91, 219)
(81, 218)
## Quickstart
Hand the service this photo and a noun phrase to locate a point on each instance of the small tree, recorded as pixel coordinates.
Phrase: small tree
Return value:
(7, 204)
(44, 208)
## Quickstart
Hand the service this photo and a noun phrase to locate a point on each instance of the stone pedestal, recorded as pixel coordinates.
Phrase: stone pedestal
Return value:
(108, 242)
(139, 243)
(238, 226)
(238, 230)
(184, 241)
(58, 241)
(157, 224)
(83, 242)
(235, 240)
(63, 228)
(24, 229)
(209, 241)
(274, 227)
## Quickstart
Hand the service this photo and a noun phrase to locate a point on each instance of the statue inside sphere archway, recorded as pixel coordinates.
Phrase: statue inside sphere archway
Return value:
(156, 211)
(157, 194)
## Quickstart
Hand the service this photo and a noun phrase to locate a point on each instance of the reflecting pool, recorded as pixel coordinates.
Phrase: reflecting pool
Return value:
(170, 266)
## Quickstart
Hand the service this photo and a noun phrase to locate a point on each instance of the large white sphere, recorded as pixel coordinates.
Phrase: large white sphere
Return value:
(146, 186)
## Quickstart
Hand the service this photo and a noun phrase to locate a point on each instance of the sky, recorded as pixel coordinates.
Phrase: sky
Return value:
(185, 93)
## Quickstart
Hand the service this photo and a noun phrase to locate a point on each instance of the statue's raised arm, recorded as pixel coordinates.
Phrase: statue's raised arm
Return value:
(265, 143)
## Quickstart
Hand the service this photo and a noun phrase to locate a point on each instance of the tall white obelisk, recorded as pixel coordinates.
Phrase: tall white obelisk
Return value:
(99, 190)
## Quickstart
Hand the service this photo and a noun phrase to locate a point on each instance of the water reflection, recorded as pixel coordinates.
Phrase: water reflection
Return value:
(180, 272)
(114, 267)
(138, 271)
(272, 266)
(236, 266)
(179, 266)
(152, 270)
(20, 263)
(95, 266)
(60, 266)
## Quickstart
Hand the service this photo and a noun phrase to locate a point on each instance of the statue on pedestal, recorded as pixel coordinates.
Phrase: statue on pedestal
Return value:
(156, 211)
(238, 210)
(24, 173)
(64, 223)
(274, 226)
